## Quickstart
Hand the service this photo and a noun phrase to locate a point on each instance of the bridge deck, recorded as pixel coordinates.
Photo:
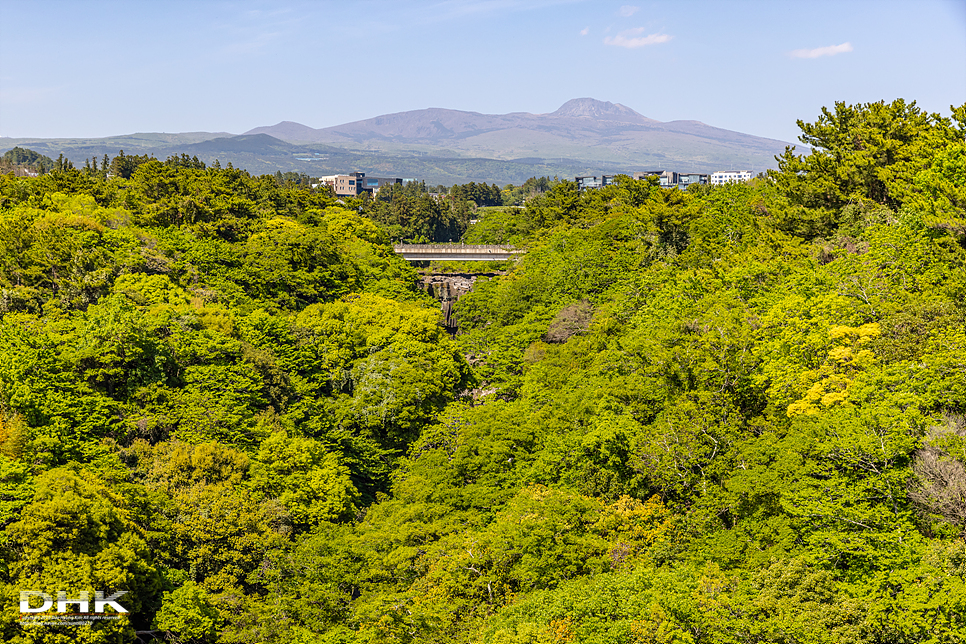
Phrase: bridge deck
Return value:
(456, 252)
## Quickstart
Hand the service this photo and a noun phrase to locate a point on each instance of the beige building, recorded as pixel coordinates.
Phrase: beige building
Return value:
(355, 183)
(345, 185)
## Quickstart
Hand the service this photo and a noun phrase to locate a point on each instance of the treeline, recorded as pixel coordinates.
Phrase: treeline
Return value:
(411, 212)
(733, 414)
(415, 213)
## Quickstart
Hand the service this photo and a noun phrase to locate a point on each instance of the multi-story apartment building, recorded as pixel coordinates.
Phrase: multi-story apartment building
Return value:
(372, 184)
(345, 185)
(671, 179)
(665, 178)
(687, 179)
(729, 176)
(354, 184)
(584, 183)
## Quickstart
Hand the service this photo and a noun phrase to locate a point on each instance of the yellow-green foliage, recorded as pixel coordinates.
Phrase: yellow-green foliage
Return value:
(834, 376)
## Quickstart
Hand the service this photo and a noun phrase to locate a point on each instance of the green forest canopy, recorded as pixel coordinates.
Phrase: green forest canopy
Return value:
(732, 414)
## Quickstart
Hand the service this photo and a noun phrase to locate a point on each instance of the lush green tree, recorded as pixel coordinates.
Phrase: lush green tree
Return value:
(306, 478)
(867, 152)
(78, 535)
(123, 166)
(941, 188)
(188, 616)
(409, 213)
(18, 157)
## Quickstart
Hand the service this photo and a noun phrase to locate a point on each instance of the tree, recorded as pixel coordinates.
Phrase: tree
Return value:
(123, 166)
(867, 152)
(78, 535)
(941, 195)
(188, 616)
(304, 477)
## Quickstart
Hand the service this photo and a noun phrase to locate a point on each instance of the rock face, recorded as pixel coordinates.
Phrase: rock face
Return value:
(448, 289)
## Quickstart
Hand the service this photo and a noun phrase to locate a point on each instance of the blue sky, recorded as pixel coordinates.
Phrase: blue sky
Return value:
(88, 68)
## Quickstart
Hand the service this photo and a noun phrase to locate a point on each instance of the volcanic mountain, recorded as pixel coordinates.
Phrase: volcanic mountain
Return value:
(442, 146)
(582, 130)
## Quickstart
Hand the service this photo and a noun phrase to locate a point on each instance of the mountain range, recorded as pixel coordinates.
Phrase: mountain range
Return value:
(584, 136)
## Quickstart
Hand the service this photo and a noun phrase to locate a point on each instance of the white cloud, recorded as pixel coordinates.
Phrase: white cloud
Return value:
(632, 39)
(822, 51)
(627, 10)
(585, 31)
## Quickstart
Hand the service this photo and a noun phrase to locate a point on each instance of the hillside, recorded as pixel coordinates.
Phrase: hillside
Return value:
(582, 130)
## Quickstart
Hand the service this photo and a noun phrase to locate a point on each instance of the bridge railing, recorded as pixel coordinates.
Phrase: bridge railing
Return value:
(454, 248)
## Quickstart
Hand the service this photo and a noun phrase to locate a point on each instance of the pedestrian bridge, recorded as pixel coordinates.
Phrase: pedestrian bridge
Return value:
(456, 252)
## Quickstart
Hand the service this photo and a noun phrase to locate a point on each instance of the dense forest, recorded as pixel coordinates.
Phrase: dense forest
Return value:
(729, 414)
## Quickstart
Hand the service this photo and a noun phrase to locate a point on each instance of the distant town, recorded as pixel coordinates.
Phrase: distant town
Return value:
(354, 184)
(670, 179)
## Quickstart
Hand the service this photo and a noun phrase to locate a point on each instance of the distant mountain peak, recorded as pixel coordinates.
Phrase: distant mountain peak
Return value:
(592, 108)
(287, 130)
(596, 136)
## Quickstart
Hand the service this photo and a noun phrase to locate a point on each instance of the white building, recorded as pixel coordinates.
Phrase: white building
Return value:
(729, 176)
